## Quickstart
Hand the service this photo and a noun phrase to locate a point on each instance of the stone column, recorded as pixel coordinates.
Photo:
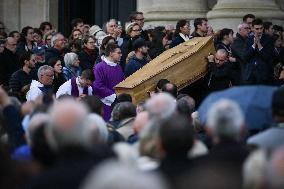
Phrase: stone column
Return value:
(229, 13)
(280, 3)
(161, 12)
(10, 14)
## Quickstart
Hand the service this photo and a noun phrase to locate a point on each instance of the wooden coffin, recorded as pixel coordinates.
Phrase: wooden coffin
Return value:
(181, 65)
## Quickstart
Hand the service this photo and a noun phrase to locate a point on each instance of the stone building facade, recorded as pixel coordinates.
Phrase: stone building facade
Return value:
(220, 13)
(19, 13)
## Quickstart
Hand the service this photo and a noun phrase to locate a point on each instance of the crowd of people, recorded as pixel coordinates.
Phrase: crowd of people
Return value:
(63, 126)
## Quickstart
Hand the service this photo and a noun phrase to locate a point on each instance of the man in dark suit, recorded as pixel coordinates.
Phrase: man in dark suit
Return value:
(219, 71)
(259, 67)
(239, 45)
(9, 62)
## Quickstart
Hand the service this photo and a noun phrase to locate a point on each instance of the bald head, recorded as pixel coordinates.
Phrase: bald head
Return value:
(161, 105)
(11, 44)
(67, 113)
(66, 118)
(222, 52)
(221, 56)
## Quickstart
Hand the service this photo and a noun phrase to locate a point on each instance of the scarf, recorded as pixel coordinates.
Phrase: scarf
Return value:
(92, 53)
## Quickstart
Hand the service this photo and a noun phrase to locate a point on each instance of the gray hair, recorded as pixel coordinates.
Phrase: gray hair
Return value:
(69, 58)
(254, 169)
(121, 177)
(55, 38)
(36, 121)
(94, 130)
(226, 119)
(148, 137)
(65, 126)
(242, 25)
(107, 23)
(123, 110)
(43, 69)
(161, 106)
(275, 170)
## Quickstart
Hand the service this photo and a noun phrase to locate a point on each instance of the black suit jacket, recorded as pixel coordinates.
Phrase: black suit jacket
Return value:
(259, 68)
(178, 40)
(9, 63)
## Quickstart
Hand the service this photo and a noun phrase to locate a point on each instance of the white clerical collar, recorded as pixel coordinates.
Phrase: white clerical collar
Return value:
(185, 37)
(78, 81)
(109, 62)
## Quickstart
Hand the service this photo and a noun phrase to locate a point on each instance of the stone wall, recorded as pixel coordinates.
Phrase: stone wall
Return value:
(17, 14)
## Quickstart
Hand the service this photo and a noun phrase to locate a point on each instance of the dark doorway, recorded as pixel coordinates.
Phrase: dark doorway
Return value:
(93, 12)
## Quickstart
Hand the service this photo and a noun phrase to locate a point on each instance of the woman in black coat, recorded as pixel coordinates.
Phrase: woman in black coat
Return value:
(89, 53)
(59, 78)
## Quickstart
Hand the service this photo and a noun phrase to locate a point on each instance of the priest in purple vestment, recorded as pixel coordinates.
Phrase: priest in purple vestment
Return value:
(78, 87)
(108, 73)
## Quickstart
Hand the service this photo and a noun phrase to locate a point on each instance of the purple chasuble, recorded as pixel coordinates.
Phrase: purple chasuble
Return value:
(74, 88)
(106, 78)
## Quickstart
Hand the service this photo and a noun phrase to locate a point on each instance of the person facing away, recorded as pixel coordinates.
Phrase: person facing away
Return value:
(108, 74)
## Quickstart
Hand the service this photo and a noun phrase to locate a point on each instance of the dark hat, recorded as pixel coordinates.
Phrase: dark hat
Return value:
(38, 50)
(278, 102)
(138, 43)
